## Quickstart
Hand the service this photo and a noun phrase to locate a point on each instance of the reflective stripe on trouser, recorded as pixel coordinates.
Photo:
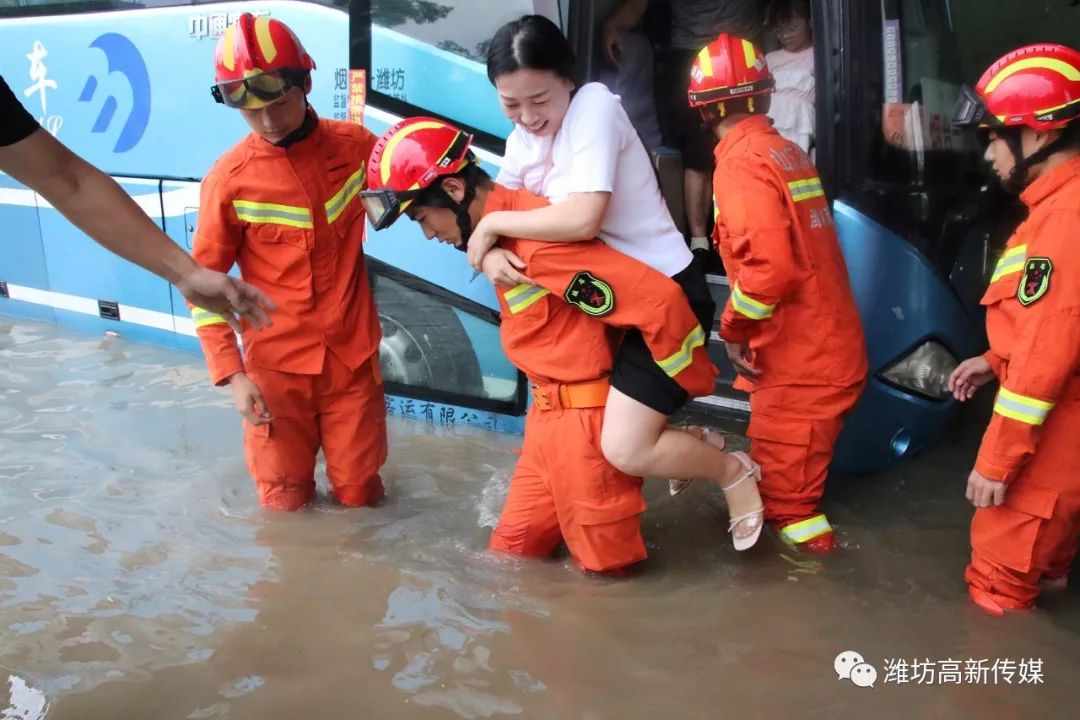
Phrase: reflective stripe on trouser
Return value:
(340, 410)
(793, 431)
(1034, 533)
(564, 490)
(806, 530)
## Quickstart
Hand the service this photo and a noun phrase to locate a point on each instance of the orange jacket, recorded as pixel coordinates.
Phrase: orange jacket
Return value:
(550, 330)
(1033, 321)
(293, 222)
(790, 296)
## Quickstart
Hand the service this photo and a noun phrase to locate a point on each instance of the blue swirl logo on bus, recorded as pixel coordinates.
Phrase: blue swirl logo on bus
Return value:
(124, 58)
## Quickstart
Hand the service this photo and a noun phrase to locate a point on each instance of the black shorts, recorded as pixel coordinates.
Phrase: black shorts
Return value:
(683, 122)
(636, 373)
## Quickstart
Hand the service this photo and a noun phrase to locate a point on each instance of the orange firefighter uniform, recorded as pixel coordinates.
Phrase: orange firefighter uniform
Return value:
(791, 303)
(1033, 441)
(555, 332)
(290, 218)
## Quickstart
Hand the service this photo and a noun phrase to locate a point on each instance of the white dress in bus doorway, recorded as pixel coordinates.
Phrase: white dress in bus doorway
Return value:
(598, 150)
(792, 108)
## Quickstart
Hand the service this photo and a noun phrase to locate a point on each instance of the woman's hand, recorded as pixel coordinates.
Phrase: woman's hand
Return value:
(483, 238)
(502, 268)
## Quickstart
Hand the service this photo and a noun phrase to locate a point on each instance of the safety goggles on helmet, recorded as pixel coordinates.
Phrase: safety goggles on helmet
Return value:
(384, 207)
(257, 90)
(970, 110)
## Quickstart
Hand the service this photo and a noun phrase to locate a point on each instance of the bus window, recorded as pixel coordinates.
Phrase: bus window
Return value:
(430, 57)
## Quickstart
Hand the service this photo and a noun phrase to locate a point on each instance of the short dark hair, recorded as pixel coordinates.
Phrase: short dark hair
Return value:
(531, 42)
(783, 10)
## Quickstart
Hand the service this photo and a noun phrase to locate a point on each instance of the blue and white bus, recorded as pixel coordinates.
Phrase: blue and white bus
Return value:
(125, 84)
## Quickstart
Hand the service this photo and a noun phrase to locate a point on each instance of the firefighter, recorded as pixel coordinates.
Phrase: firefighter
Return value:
(282, 204)
(790, 326)
(1025, 483)
(555, 331)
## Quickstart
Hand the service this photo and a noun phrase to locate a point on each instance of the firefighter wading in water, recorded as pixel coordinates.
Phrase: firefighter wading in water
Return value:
(790, 327)
(556, 331)
(282, 204)
(1026, 479)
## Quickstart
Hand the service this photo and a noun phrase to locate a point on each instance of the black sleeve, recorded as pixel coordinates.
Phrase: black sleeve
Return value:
(15, 122)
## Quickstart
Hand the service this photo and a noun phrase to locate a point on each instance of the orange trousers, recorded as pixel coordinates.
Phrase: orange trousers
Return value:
(793, 430)
(1033, 534)
(564, 490)
(340, 410)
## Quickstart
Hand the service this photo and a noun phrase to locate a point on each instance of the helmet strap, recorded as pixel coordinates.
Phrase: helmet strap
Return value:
(1019, 178)
(311, 121)
(436, 196)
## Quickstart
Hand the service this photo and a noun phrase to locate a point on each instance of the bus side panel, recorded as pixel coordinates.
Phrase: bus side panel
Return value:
(22, 257)
(81, 268)
(903, 302)
(180, 202)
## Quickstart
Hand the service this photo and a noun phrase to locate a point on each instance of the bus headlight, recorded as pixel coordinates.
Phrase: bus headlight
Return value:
(924, 371)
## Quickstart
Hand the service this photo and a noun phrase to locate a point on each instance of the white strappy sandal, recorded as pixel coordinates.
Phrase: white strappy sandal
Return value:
(752, 471)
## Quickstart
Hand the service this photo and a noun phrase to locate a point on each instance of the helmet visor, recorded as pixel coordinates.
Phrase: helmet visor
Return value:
(970, 110)
(256, 91)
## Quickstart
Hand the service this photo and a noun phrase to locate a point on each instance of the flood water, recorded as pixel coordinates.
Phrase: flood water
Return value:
(139, 579)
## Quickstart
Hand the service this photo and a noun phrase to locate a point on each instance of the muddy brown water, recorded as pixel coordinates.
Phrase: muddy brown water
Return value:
(138, 579)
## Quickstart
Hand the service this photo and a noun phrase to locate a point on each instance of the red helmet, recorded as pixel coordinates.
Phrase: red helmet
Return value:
(1037, 86)
(257, 61)
(408, 159)
(728, 68)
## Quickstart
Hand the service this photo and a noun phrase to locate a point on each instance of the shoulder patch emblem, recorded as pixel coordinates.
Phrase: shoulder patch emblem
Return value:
(1035, 281)
(590, 294)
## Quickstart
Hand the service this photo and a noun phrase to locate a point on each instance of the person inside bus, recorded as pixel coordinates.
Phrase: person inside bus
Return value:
(99, 207)
(576, 147)
(555, 329)
(692, 24)
(790, 326)
(282, 205)
(792, 64)
(1025, 484)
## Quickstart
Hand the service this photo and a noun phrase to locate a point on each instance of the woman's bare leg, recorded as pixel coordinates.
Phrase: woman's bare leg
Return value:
(638, 441)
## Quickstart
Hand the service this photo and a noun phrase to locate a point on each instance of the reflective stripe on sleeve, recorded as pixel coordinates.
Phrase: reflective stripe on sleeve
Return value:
(1021, 407)
(749, 307)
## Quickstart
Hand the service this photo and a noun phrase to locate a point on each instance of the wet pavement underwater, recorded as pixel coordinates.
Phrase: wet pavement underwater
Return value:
(139, 579)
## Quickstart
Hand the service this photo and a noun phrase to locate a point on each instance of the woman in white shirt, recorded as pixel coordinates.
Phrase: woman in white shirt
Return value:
(576, 147)
(792, 105)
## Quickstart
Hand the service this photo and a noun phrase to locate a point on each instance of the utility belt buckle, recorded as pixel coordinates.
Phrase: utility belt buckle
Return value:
(546, 397)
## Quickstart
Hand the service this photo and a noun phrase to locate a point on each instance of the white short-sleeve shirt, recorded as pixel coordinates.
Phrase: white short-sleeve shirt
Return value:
(597, 150)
